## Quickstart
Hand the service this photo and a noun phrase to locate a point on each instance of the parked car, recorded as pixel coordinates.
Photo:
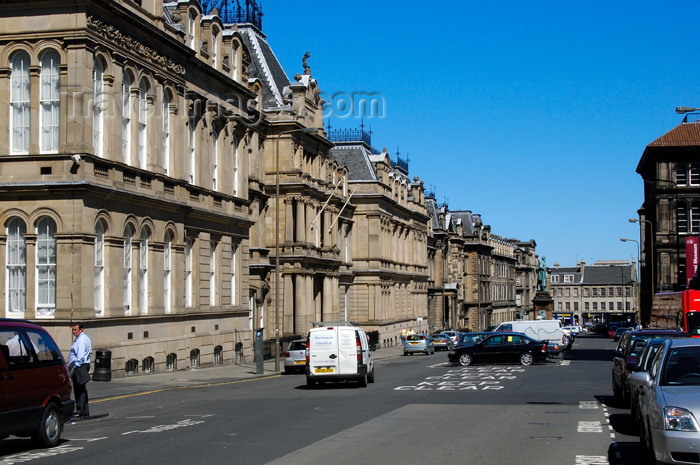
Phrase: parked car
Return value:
(500, 347)
(35, 388)
(295, 356)
(627, 354)
(454, 335)
(471, 338)
(619, 331)
(645, 358)
(669, 403)
(418, 343)
(442, 341)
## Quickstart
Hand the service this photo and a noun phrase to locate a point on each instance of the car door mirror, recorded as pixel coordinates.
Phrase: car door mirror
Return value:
(641, 378)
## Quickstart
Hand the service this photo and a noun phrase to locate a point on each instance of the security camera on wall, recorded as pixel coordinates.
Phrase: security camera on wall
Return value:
(76, 159)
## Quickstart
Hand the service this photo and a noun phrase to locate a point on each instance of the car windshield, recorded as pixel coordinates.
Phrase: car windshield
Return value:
(637, 344)
(682, 367)
(297, 345)
(693, 320)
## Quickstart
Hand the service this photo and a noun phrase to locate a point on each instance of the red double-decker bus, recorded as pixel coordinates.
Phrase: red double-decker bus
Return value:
(677, 310)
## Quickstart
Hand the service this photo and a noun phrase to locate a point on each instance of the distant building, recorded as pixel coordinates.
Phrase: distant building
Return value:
(670, 213)
(604, 292)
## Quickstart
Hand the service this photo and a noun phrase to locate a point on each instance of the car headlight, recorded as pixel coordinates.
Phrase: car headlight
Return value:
(679, 419)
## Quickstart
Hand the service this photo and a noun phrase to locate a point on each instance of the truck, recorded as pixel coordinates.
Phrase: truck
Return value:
(677, 310)
(338, 351)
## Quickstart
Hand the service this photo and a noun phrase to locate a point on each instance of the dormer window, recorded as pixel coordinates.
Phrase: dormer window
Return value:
(214, 54)
(191, 31)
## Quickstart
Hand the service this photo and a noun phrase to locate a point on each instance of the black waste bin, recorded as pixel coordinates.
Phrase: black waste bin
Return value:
(103, 366)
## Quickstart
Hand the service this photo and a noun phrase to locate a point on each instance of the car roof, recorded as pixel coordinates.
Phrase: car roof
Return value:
(690, 342)
(658, 332)
(18, 323)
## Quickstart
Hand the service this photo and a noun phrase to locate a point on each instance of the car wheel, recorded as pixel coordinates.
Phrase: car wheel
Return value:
(526, 359)
(50, 427)
(405, 353)
(287, 370)
(465, 359)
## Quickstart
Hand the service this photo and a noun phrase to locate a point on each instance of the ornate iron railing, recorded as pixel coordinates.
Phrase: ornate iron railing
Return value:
(350, 135)
(236, 11)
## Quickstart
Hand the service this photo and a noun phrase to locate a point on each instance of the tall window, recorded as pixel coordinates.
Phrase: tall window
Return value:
(167, 276)
(234, 264)
(99, 269)
(681, 174)
(97, 109)
(19, 103)
(695, 218)
(46, 267)
(16, 267)
(214, 158)
(191, 31)
(126, 118)
(682, 217)
(234, 63)
(694, 175)
(235, 165)
(49, 102)
(214, 47)
(165, 143)
(212, 273)
(188, 273)
(126, 280)
(191, 139)
(143, 127)
(143, 272)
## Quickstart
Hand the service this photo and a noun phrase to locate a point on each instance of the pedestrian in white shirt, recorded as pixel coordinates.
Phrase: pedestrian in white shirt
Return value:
(79, 366)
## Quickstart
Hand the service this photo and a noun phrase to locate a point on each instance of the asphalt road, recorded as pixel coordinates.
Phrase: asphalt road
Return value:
(419, 410)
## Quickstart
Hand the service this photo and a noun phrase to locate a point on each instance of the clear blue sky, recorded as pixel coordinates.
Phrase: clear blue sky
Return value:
(533, 114)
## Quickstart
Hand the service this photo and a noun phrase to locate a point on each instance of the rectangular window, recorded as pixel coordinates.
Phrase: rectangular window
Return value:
(586, 306)
(576, 306)
(166, 134)
(212, 273)
(595, 292)
(46, 268)
(143, 128)
(619, 306)
(595, 306)
(126, 119)
(188, 273)
(191, 139)
(234, 275)
(99, 268)
(586, 292)
(568, 278)
(167, 276)
(618, 291)
(214, 159)
(602, 292)
(611, 306)
(143, 272)
(19, 103)
(126, 279)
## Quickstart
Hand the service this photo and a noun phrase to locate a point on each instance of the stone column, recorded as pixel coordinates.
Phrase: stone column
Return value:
(301, 222)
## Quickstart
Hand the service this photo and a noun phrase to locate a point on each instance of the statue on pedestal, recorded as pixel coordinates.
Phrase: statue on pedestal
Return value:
(542, 275)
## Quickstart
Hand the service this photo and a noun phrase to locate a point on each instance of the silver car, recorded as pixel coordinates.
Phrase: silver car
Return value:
(418, 343)
(295, 356)
(669, 403)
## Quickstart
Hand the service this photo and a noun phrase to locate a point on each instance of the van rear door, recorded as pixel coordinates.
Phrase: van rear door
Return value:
(323, 351)
(347, 353)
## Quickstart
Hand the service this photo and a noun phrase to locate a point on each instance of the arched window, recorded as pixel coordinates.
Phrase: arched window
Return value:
(171, 362)
(97, 107)
(214, 49)
(167, 275)
(694, 175)
(16, 266)
(192, 122)
(19, 103)
(681, 174)
(46, 267)
(50, 94)
(165, 143)
(148, 365)
(194, 358)
(131, 367)
(218, 355)
(126, 117)
(191, 30)
(682, 217)
(99, 284)
(127, 279)
(143, 272)
(234, 62)
(143, 124)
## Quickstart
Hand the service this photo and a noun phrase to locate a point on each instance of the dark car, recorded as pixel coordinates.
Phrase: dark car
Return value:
(471, 338)
(500, 347)
(619, 331)
(627, 354)
(35, 388)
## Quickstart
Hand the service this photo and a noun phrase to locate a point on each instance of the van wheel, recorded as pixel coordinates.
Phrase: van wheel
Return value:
(370, 378)
(50, 427)
(526, 359)
(310, 383)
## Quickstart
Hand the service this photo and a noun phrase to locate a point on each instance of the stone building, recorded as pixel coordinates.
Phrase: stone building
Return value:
(526, 263)
(124, 184)
(670, 214)
(604, 292)
(389, 249)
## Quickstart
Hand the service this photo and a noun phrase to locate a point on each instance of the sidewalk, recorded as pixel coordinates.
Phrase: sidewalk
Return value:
(137, 384)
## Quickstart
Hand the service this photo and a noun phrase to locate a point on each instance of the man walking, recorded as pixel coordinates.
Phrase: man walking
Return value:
(79, 367)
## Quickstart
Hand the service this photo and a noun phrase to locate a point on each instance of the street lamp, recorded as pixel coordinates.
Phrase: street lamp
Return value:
(651, 242)
(684, 110)
(638, 273)
(277, 235)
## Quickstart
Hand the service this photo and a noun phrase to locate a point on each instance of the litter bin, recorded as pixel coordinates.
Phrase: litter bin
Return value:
(103, 366)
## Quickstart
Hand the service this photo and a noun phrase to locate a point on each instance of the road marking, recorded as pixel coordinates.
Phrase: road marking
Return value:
(24, 457)
(590, 427)
(589, 405)
(161, 428)
(591, 460)
(88, 439)
(565, 363)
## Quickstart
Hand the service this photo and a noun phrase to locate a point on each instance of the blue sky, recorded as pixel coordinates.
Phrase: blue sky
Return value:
(533, 114)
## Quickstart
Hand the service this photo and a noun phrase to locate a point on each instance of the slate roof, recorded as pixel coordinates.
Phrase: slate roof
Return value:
(594, 274)
(265, 66)
(356, 157)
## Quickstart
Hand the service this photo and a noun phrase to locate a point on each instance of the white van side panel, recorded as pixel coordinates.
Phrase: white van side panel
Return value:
(347, 355)
(542, 330)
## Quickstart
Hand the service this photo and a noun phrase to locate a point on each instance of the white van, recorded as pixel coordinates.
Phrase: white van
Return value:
(338, 351)
(541, 330)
